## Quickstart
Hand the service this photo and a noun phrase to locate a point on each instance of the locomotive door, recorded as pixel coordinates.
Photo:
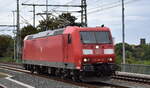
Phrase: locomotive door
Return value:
(67, 49)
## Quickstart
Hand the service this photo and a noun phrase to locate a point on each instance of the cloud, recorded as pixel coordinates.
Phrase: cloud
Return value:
(136, 18)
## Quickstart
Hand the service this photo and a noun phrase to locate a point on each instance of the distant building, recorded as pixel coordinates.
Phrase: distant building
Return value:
(142, 41)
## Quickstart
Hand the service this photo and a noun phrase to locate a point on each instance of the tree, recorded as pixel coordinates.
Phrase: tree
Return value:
(139, 54)
(28, 30)
(118, 48)
(50, 23)
(146, 52)
(129, 52)
(6, 46)
(63, 20)
(67, 18)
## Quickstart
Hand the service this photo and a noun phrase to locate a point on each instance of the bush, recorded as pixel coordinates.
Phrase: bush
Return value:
(6, 59)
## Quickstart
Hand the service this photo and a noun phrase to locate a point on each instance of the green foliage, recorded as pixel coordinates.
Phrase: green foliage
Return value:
(134, 54)
(118, 59)
(147, 62)
(7, 59)
(146, 54)
(63, 20)
(6, 46)
(28, 30)
(67, 17)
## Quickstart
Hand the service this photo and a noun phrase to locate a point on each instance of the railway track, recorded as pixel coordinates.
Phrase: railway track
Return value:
(132, 78)
(19, 68)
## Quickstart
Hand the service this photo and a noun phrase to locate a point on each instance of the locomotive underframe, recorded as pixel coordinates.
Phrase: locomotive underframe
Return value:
(98, 70)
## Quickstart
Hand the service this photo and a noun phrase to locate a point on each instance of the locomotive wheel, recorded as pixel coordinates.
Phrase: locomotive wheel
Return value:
(75, 76)
(32, 71)
(38, 70)
(57, 72)
(64, 74)
(51, 71)
(25, 67)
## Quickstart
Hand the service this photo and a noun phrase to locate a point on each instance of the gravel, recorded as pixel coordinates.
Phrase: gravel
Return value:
(35, 81)
(40, 82)
(10, 84)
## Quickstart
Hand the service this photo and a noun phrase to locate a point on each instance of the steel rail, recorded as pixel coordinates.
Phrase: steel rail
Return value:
(131, 78)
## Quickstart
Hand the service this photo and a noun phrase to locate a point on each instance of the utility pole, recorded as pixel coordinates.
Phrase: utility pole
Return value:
(84, 13)
(46, 14)
(33, 15)
(18, 34)
(123, 34)
(14, 35)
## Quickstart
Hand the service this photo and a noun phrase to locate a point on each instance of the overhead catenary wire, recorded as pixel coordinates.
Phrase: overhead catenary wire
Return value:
(25, 21)
(110, 7)
(92, 11)
(106, 4)
(54, 9)
(6, 29)
(24, 7)
(62, 19)
(54, 5)
(26, 1)
(64, 4)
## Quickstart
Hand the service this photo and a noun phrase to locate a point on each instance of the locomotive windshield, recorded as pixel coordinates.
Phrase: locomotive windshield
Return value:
(95, 37)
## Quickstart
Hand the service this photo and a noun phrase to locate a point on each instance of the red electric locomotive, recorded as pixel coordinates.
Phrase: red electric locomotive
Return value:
(75, 52)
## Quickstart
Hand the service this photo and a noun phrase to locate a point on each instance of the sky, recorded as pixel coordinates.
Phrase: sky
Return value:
(107, 12)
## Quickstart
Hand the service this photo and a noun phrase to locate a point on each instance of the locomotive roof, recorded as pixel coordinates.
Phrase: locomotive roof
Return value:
(68, 29)
(45, 33)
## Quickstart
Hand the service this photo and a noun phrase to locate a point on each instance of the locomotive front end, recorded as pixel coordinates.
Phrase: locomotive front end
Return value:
(98, 55)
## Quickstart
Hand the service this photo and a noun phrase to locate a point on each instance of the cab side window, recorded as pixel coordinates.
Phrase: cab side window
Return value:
(69, 39)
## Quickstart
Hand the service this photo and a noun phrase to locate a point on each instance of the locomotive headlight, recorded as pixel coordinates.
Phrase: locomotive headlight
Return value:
(86, 59)
(108, 51)
(110, 59)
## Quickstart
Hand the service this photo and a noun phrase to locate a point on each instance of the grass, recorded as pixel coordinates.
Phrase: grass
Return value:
(10, 60)
(6, 59)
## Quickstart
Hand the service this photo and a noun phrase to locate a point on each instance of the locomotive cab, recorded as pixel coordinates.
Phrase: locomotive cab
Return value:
(97, 52)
